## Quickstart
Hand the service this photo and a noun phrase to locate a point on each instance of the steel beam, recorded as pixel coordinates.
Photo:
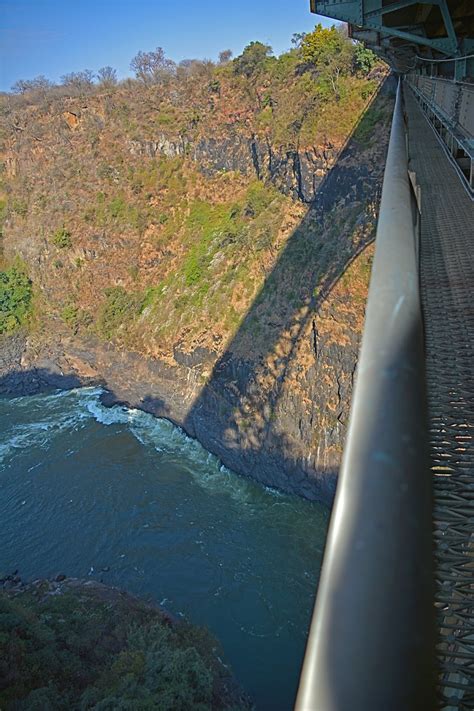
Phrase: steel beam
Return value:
(448, 23)
(401, 4)
(391, 8)
(355, 12)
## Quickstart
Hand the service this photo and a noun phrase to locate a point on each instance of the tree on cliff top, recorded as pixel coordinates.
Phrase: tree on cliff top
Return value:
(252, 59)
(39, 83)
(320, 45)
(81, 82)
(107, 77)
(152, 67)
(330, 46)
(331, 55)
(364, 58)
(225, 56)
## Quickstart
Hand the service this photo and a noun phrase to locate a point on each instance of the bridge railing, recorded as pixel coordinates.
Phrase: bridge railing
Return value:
(371, 642)
(449, 107)
(454, 100)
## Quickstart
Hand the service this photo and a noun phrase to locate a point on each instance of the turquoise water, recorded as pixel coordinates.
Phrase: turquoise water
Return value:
(122, 497)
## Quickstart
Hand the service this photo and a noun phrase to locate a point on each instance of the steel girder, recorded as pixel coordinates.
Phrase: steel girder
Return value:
(403, 29)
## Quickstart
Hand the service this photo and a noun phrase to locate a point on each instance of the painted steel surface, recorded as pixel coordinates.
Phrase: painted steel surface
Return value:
(407, 33)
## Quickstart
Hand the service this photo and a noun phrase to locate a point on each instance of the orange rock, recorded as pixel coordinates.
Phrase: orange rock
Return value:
(71, 119)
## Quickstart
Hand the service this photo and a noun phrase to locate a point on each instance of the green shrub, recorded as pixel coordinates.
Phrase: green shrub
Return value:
(259, 196)
(20, 207)
(15, 298)
(62, 238)
(75, 316)
(117, 207)
(120, 308)
(3, 211)
(77, 651)
(165, 118)
(133, 271)
(205, 223)
(364, 58)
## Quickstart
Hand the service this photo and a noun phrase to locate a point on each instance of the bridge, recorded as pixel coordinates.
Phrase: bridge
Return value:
(393, 624)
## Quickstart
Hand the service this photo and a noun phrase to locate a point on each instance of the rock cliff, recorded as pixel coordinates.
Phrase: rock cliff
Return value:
(217, 278)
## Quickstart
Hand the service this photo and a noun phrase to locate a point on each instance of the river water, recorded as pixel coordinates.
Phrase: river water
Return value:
(128, 499)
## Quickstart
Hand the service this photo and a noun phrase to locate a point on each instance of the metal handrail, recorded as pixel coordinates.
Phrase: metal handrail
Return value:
(454, 130)
(371, 642)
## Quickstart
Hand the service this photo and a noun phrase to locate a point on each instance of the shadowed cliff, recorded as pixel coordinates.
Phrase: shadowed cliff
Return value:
(274, 404)
(277, 400)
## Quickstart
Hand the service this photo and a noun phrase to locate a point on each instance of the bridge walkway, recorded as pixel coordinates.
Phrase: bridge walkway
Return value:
(447, 293)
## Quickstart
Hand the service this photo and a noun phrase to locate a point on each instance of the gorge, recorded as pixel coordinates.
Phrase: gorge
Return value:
(202, 253)
(185, 259)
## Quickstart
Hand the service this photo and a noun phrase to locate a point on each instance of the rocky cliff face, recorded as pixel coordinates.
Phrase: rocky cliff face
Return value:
(279, 416)
(297, 173)
(267, 390)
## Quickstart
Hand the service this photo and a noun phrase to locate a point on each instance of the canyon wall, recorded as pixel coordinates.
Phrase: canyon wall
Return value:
(267, 390)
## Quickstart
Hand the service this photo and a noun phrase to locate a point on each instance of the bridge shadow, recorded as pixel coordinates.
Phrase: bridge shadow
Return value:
(245, 413)
(264, 408)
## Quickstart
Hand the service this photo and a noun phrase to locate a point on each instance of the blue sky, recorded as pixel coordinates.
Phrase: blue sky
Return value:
(53, 37)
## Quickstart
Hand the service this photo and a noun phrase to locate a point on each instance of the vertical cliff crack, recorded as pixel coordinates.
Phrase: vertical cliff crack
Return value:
(297, 172)
(254, 152)
(339, 400)
(315, 339)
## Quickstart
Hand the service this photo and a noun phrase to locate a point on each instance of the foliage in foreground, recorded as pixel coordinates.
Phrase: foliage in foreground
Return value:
(15, 298)
(80, 650)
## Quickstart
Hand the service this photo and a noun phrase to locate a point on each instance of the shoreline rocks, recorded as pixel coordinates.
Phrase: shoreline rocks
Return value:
(174, 393)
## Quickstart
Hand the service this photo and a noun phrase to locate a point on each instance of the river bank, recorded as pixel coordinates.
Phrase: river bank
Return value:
(31, 364)
(69, 642)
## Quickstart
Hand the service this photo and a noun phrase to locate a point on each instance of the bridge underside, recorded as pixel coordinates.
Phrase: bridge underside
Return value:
(447, 282)
(409, 33)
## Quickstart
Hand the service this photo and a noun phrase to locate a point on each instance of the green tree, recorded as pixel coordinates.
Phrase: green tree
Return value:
(73, 651)
(364, 58)
(330, 53)
(15, 298)
(252, 59)
(297, 38)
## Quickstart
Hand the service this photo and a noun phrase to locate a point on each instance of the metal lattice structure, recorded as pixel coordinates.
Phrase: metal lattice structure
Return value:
(447, 285)
(409, 32)
(449, 108)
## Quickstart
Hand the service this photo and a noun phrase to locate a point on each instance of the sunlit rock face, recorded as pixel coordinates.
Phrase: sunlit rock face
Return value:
(215, 276)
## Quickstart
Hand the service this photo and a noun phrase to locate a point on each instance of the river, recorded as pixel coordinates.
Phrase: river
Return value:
(128, 499)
